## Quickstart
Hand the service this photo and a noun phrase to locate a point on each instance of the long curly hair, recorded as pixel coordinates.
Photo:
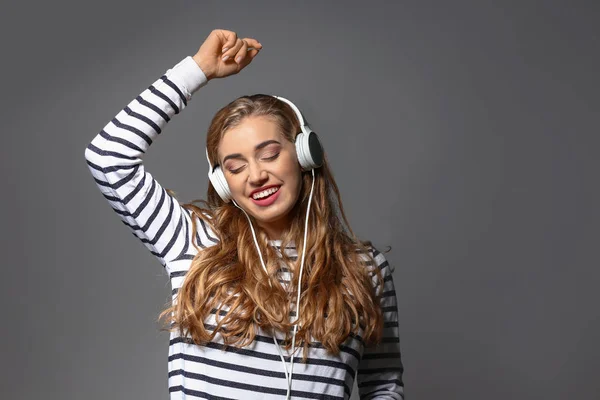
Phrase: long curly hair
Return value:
(338, 295)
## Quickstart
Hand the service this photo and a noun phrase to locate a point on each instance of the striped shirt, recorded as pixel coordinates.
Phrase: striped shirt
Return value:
(157, 219)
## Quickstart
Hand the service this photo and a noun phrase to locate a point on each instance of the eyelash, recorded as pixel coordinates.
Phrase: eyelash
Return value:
(237, 171)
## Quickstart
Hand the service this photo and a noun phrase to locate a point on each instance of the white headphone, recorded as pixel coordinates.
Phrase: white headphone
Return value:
(310, 156)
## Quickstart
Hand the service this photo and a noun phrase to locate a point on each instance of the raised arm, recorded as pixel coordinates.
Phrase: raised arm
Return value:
(114, 156)
(380, 370)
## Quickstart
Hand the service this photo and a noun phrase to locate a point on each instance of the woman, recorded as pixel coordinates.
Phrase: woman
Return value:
(236, 274)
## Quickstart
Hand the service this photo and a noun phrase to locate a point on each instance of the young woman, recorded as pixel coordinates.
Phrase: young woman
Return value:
(273, 294)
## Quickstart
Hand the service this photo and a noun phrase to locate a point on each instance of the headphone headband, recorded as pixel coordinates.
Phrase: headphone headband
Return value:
(296, 110)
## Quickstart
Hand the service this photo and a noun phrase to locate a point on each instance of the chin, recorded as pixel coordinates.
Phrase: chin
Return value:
(269, 214)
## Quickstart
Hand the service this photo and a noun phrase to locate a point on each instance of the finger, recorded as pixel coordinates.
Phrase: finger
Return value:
(249, 57)
(241, 54)
(254, 46)
(232, 52)
(250, 54)
(253, 43)
(228, 38)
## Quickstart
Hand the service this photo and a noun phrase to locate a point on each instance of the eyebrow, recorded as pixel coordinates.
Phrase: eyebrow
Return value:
(256, 148)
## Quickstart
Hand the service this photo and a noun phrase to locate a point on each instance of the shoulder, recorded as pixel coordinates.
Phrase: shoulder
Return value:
(377, 264)
(375, 258)
(380, 260)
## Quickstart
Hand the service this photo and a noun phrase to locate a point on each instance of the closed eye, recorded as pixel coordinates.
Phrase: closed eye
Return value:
(272, 157)
(238, 170)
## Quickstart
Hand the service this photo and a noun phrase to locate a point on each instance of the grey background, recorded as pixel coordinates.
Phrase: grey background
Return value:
(464, 134)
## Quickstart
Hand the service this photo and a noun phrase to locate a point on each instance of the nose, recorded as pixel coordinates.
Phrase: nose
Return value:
(257, 175)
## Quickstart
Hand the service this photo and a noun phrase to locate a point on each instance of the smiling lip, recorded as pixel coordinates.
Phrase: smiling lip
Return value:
(262, 188)
(266, 201)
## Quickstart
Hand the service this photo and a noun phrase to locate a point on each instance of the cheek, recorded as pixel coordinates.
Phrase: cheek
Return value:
(293, 171)
(235, 185)
(291, 163)
(295, 176)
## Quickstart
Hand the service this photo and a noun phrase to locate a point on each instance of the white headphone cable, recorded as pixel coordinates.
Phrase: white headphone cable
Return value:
(288, 375)
(287, 378)
(300, 281)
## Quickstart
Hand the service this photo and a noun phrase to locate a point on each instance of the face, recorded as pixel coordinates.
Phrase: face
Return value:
(255, 157)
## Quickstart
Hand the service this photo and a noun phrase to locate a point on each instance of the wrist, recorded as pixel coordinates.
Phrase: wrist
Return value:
(206, 69)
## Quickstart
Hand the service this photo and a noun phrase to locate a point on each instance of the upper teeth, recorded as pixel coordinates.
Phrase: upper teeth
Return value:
(264, 193)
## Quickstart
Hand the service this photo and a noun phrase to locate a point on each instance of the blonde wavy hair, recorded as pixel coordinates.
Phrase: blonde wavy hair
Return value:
(338, 295)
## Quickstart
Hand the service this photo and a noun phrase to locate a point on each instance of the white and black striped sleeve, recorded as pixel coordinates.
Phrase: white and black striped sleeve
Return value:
(114, 158)
(380, 370)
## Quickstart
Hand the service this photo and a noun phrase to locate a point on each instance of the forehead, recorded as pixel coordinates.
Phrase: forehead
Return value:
(250, 132)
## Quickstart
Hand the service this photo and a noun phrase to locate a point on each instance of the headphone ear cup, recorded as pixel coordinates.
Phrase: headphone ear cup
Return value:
(217, 178)
(309, 150)
(218, 181)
